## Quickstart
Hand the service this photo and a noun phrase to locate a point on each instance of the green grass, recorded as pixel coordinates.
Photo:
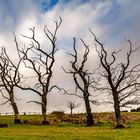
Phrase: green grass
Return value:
(64, 131)
(28, 132)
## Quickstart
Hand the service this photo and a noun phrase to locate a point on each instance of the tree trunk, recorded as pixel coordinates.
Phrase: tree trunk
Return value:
(15, 109)
(44, 110)
(89, 115)
(119, 123)
(71, 111)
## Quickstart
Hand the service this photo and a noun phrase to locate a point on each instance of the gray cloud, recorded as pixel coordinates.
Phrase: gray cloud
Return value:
(111, 21)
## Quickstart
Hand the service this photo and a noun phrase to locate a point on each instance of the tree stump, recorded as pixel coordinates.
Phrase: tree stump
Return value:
(3, 125)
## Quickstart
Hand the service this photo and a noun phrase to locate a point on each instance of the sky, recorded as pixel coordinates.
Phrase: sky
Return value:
(112, 21)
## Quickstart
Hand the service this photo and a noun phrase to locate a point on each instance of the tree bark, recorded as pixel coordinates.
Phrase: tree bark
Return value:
(44, 110)
(71, 111)
(89, 114)
(119, 123)
(15, 109)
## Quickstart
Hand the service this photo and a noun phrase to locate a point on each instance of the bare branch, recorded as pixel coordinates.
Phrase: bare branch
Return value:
(122, 80)
(82, 78)
(41, 63)
(35, 102)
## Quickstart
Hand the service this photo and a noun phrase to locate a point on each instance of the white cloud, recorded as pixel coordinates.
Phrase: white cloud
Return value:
(77, 18)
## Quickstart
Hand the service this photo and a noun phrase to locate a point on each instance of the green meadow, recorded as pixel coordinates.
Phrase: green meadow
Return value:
(58, 130)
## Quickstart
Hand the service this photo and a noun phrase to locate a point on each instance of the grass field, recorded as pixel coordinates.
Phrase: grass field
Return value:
(63, 131)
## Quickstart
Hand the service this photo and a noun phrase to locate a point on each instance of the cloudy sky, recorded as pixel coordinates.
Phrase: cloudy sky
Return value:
(111, 20)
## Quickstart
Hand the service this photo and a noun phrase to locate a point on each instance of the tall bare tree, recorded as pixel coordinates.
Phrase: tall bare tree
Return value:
(72, 105)
(9, 77)
(82, 78)
(122, 78)
(41, 63)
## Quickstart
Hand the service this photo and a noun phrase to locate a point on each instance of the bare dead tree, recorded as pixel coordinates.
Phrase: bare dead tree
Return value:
(72, 105)
(41, 63)
(9, 77)
(83, 79)
(122, 78)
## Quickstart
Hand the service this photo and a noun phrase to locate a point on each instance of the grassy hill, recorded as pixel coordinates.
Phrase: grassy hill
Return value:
(61, 129)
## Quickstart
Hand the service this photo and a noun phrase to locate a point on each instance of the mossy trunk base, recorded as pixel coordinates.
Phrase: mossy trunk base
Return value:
(17, 121)
(90, 121)
(46, 122)
(119, 126)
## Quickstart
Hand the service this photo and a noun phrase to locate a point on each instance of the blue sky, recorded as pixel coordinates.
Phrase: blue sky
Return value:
(46, 5)
(111, 20)
(119, 15)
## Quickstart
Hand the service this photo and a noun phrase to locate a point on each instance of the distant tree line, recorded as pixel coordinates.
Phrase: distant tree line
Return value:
(136, 110)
